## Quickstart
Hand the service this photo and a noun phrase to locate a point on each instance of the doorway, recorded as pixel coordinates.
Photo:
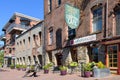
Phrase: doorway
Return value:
(40, 59)
(112, 57)
(59, 59)
(74, 54)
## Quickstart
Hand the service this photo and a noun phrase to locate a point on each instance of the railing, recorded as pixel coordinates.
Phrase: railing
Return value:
(19, 26)
(2, 36)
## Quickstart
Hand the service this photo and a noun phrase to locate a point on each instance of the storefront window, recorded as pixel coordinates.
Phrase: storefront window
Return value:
(95, 54)
(112, 55)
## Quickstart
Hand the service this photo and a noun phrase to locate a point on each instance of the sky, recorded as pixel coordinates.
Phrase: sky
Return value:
(32, 8)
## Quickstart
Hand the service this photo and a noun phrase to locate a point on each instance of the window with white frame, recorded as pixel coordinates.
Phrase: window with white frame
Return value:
(49, 5)
(50, 36)
(97, 20)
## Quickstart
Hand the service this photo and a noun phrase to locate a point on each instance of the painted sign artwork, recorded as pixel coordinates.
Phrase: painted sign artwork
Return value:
(72, 16)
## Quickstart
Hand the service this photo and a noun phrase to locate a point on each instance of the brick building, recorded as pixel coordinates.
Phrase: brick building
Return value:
(16, 25)
(95, 39)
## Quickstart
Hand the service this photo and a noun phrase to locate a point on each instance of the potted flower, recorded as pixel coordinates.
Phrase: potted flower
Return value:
(63, 70)
(47, 67)
(87, 69)
(101, 70)
(73, 65)
(18, 67)
(12, 66)
(24, 67)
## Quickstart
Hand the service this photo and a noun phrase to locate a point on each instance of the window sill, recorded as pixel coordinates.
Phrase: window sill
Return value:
(97, 32)
(49, 44)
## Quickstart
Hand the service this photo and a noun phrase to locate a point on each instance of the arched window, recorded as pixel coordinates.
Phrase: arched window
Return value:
(50, 36)
(59, 38)
(49, 5)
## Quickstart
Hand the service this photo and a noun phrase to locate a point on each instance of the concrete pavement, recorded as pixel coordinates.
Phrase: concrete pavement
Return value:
(8, 74)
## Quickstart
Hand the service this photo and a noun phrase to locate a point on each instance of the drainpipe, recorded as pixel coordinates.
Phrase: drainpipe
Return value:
(107, 19)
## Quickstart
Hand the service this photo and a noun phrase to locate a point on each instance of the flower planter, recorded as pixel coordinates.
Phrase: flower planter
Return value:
(87, 73)
(23, 69)
(101, 72)
(46, 71)
(63, 72)
(18, 69)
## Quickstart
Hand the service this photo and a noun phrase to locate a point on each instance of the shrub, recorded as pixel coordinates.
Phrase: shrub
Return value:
(12, 66)
(24, 66)
(100, 65)
(47, 66)
(87, 67)
(18, 66)
(62, 68)
(73, 64)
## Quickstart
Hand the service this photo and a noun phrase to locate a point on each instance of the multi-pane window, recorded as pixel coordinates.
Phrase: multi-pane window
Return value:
(112, 53)
(50, 36)
(97, 20)
(118, 22)
(49, 5)
(59, 2)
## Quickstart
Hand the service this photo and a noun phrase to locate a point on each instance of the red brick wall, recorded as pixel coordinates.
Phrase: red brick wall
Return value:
(56, 20)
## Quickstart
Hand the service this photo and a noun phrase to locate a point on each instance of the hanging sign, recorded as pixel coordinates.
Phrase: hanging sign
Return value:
(72, 16)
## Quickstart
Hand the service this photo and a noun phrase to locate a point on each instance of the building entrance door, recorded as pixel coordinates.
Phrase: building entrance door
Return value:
(59, 59)
(40, 59)
(112, 57)
(74, 54)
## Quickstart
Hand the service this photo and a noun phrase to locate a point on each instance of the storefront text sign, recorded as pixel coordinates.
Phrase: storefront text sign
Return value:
(72, 16)
(84, 39)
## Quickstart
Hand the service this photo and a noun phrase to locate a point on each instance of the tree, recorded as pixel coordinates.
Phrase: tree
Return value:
(1, 57)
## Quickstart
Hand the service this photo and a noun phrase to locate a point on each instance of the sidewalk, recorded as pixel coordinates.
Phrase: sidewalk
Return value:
(14, 74)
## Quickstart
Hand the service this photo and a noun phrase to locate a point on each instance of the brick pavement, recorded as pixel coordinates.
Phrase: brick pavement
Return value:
(17, 75)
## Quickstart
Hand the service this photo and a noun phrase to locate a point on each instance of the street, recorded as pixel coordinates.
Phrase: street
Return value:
(8, 74)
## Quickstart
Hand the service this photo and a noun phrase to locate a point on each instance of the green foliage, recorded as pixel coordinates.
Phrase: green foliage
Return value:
(18, 66)
(24, 66)
(100, 65)
(50, 64)
(32, 67)
(87, 67)
(12, 66)
(73, 64)
(62, 68)
(47, 66)
(1, 57)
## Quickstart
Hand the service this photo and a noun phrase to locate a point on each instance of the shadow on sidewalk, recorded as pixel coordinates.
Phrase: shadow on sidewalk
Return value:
(4, 70)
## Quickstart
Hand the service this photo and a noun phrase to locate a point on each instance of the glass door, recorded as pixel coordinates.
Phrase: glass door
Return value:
(112, 51)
